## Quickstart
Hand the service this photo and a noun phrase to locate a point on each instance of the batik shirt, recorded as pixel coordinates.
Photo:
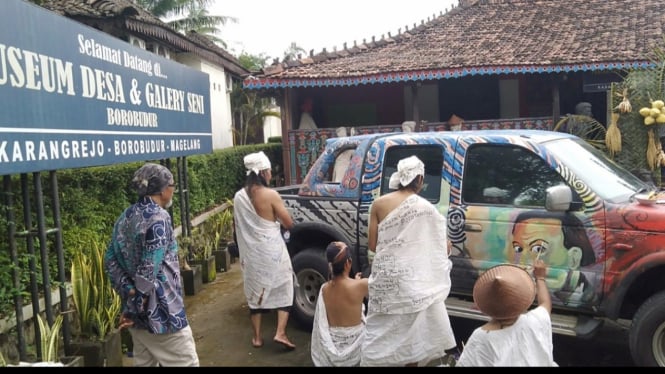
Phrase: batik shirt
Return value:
(143, 255)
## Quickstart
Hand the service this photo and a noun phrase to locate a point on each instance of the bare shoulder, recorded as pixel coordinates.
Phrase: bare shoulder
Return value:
(386, 203)
(380, 201)
(267, 193)
(383, 198)
(360, 287)
(362, 282)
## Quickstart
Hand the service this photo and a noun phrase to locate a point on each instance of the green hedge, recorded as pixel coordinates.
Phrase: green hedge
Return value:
(91, 199)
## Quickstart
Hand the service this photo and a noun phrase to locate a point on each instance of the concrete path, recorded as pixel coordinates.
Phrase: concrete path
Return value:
(223, 332)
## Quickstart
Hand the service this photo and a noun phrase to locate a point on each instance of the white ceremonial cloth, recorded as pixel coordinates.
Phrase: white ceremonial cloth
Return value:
(264, 259)
(407, 319)
(307, 122)
(528, 342)
(341, 164)
(335, 346)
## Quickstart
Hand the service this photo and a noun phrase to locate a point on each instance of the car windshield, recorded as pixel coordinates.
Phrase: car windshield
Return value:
(609, 180)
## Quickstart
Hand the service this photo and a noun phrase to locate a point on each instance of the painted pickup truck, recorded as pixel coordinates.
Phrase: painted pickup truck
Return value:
(604, 247)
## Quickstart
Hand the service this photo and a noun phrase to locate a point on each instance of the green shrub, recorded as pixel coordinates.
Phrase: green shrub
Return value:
(91, 199)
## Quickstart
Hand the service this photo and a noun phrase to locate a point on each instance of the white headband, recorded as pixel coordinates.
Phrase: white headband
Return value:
(407, 170)
(255, 162)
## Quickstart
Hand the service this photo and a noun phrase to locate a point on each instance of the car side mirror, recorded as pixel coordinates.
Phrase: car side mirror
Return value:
(558, 198)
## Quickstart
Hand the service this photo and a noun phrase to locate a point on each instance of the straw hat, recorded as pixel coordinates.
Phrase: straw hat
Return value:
(504, 291)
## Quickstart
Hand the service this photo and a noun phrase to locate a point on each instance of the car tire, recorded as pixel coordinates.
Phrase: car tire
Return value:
(646, 338)
(311, 269)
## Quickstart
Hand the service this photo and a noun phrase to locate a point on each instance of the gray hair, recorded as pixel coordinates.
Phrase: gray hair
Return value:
(151, 179)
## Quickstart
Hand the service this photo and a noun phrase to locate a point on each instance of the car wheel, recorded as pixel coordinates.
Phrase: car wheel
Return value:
(647, 332)
(311, 269)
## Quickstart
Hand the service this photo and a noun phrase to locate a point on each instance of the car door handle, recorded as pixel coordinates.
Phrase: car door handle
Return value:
(473, 227)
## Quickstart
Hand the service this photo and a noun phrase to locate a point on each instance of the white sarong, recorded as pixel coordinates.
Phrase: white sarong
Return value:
(264, 259)
(335, 346)
(528, 342)
(407, 320)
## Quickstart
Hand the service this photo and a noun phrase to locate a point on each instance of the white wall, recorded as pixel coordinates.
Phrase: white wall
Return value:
(272, 126)
(220, 100)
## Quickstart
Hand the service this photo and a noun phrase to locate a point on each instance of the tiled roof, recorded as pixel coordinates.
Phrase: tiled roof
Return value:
(137, 20)
(490, 37)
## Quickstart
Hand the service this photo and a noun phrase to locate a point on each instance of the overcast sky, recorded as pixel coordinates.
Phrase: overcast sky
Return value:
(269, 27)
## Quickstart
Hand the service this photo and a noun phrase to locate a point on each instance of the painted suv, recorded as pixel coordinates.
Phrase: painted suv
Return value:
(510, 196)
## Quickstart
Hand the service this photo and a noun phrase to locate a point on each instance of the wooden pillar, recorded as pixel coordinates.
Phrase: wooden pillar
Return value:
(556, 99)
(287, 118)
(415, 88)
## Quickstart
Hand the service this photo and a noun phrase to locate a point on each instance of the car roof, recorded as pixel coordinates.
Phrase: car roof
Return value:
(538, 136)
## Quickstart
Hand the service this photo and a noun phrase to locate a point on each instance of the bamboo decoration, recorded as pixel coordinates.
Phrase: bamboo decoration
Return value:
(613, 136)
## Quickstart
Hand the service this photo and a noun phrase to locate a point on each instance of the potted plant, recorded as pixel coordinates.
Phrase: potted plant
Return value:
(201, 250)
(221, 254)
(50, 344)
(192, 279)
(223, 228)
(98, 309)
(225, 225)
(50, 338)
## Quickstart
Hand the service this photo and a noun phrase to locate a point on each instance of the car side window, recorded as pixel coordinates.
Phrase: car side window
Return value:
(430, 155)
(342, 161)
(506, 175)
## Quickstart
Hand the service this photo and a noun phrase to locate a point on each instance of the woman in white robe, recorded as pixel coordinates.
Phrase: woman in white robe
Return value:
(407, 320)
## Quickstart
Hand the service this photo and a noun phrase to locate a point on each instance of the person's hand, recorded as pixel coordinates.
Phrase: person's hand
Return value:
(125, 322)
(539, 269)
(359, 275)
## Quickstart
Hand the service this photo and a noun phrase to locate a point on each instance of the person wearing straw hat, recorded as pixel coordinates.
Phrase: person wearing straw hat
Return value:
(407, 319)
(514, 335)
(339, 317)
(258, 215)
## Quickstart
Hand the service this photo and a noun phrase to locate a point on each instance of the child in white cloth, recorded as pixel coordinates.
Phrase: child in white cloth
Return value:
(514, 336)
(339, 318)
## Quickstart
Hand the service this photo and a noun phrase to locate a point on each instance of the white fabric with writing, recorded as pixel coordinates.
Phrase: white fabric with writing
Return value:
(264, 259)
(528, 342)
(407, 319)
(335, 346)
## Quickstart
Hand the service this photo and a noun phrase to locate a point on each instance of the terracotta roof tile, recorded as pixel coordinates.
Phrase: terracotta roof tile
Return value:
(490, 34)
(138, 20)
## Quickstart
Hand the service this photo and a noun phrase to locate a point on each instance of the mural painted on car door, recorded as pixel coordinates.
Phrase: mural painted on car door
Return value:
(500, 217)
(519, 237)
